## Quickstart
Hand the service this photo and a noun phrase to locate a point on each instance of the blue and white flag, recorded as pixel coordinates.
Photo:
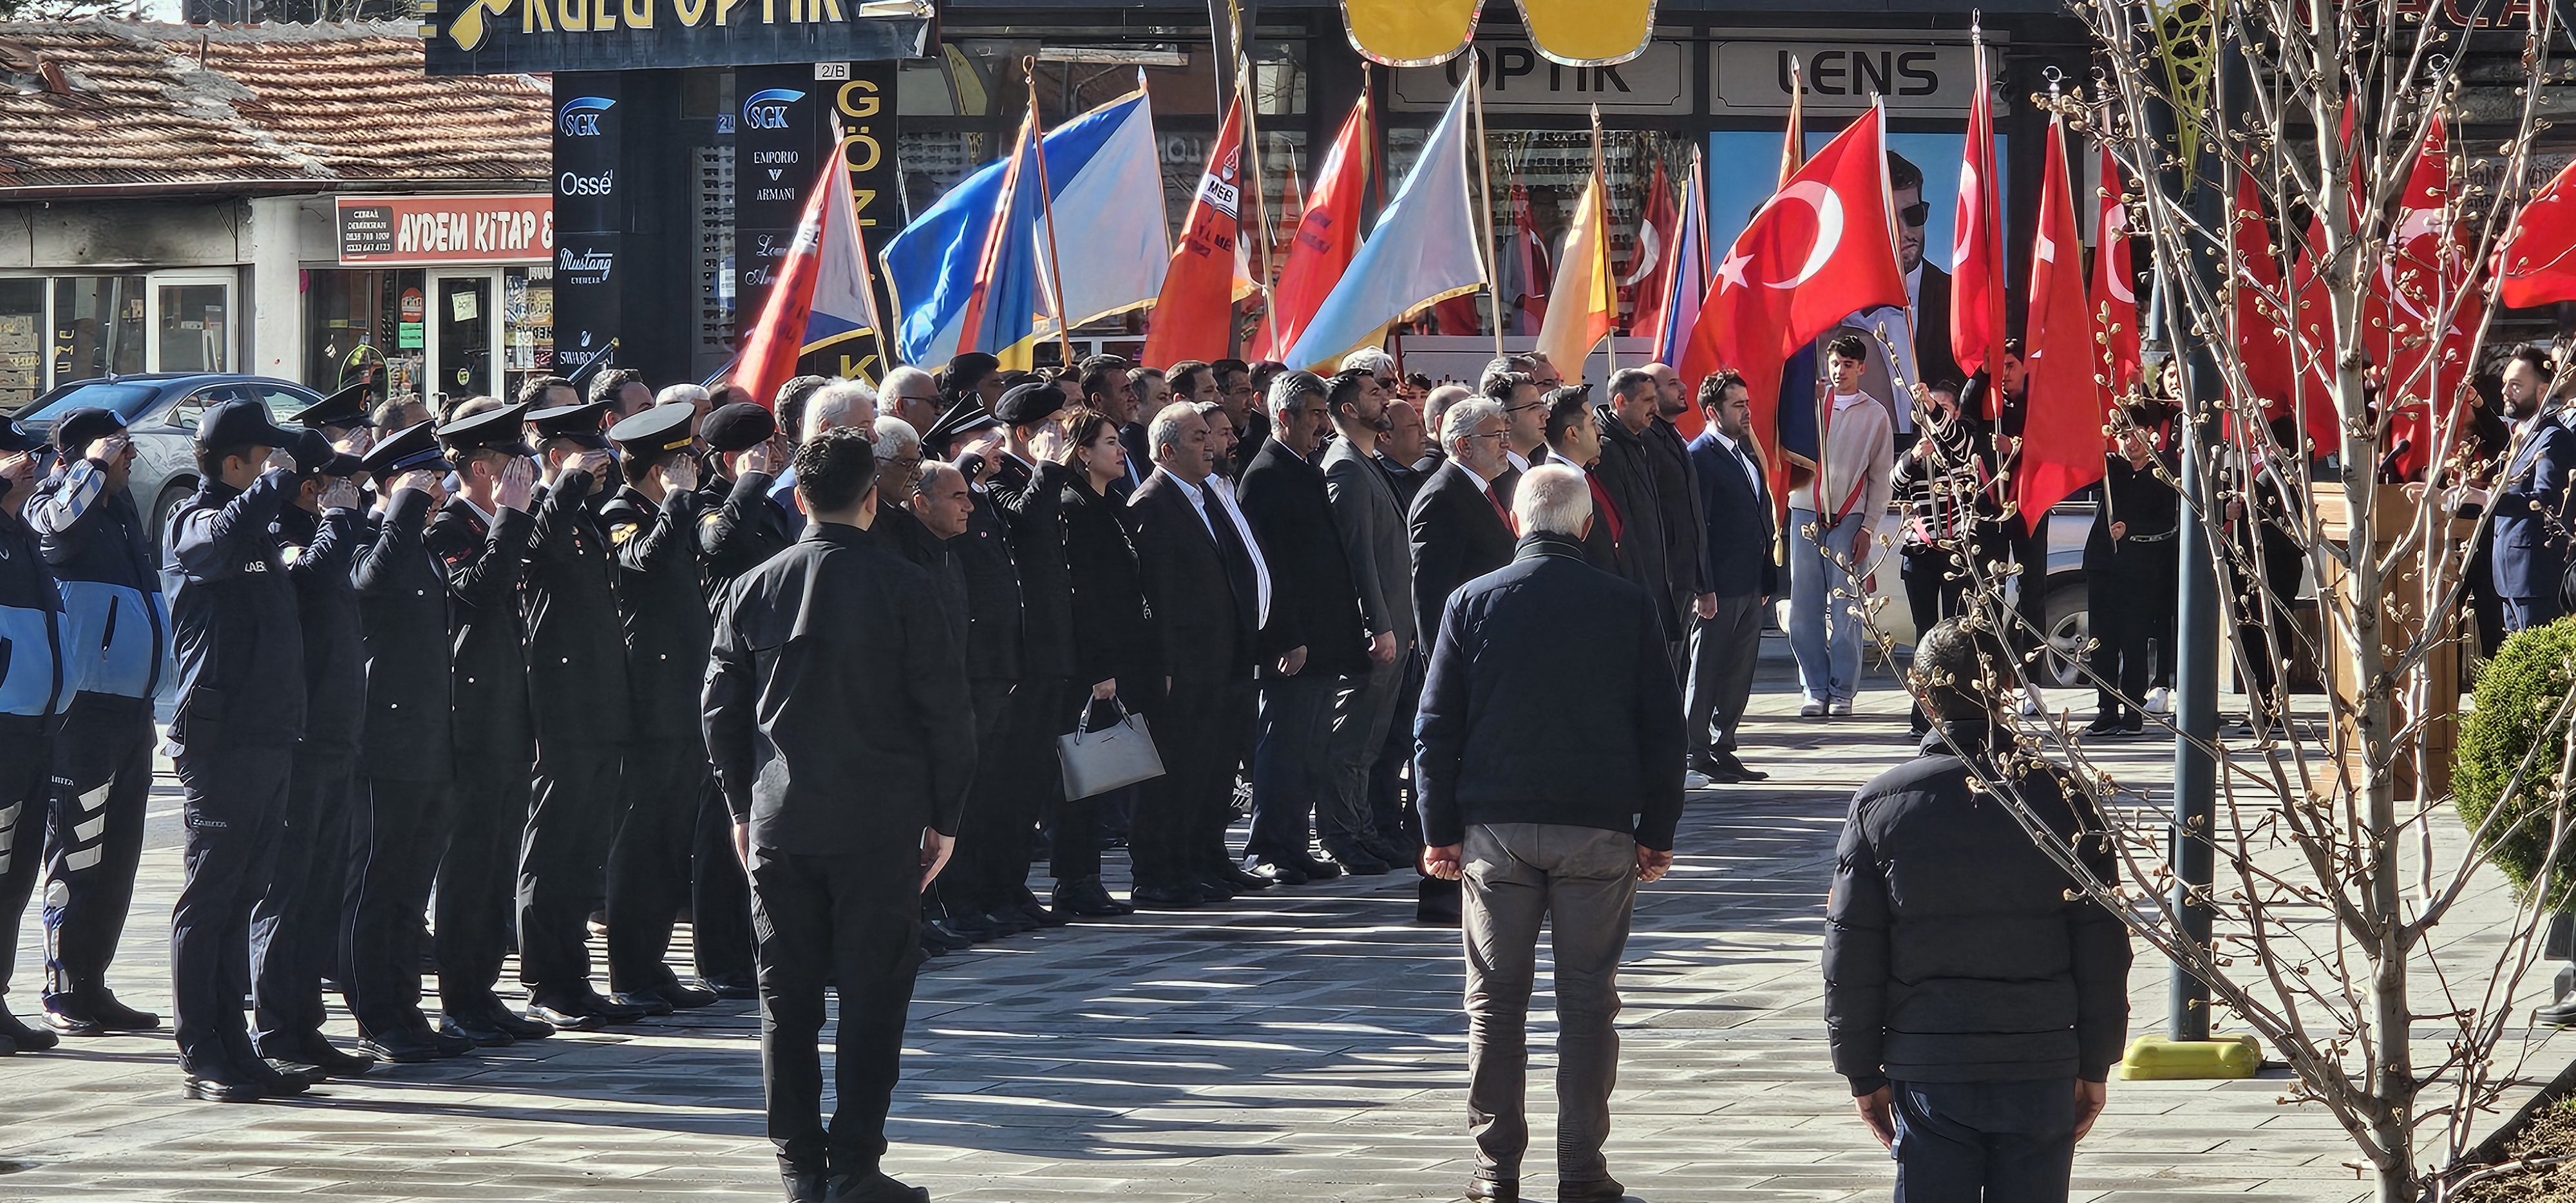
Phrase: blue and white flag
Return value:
(1105, 186)
(1422, 252)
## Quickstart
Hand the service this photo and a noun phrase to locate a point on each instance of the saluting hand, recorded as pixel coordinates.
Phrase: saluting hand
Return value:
(360, 440)
(762, 459)
(341, 494)
(517, 484)
(594, 461)
(679, 474)
(107, 450)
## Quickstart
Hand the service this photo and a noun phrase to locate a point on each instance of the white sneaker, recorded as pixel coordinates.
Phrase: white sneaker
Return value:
(1842, 707)
(1694, 779)
(2032, 703)
(2159, 700)
(1813, 709)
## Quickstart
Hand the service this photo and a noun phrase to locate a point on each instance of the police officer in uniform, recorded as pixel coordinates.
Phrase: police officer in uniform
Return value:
(116, 635)
(653, 533)
(577, 703)
(739, 528)
(33, 688)
(240, 712)
(295, 927)
(342, 418)
(480, 537)
(405, 754)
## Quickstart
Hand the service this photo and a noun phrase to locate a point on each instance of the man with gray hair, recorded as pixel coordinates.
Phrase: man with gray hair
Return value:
(898, 456)
(1376, 362)
(910, 394)
(841, 403)
(1550, 813)
(694, 396)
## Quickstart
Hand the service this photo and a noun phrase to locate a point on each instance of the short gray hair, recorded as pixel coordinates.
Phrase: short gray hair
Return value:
(1552, 499)
(907, 374)
(1440, 399)
(930, 475)
(1287, 389)
(1165, 430)
(1464, 417)
(895, 437)
(832, 404)
(680, 394)
(1372, 360)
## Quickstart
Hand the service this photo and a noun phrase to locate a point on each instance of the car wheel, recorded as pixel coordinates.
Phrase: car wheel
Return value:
(171, 495)
(2068, 628)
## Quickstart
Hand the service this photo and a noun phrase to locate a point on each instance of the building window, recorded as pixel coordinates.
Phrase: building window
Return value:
(98, 327)
(22, 342)
(195, 331)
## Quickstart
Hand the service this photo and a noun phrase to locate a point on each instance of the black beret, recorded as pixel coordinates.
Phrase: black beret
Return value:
(1029, 404)
(739, 427)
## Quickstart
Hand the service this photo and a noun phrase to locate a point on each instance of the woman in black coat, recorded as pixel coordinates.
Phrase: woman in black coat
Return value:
(1117, 653)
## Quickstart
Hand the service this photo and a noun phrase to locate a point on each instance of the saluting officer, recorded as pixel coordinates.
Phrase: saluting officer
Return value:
(653, 528)
(116, 635)
(342, 417)
(400, 829)
(240, 711)
(33, 688)
(295, 927)
(742, 525)
(576, 703)
(480, 538)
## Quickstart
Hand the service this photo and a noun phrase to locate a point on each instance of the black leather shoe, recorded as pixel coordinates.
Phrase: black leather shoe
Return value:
(275, 1082)
(1598, 1190)
(1028, 907)
(1355, 859)
(1234, 876)
(518, 1026)
(121, 1018)
(22, 1038)
(209, 1089)
(973, 926)
(935, 933)
(2106, 725)
(1086, 897)
(932, 952)
(2560, 1014)
(1002, 923)
(403, 1048)
(684, 997)
(1395, 855)
(581, 1011)
(1493, 1190)
(803, 1186)
(873, 1187)
(448, 1044)
(1737, 769)
(1315, 870)
(733, 986)
(326, 1060)
(1214, 891)
(1168, 898)
(1280, 872)
(478, 1030)
(646, 1002)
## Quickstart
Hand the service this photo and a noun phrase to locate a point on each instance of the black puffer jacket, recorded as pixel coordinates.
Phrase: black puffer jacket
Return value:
(1952, 953)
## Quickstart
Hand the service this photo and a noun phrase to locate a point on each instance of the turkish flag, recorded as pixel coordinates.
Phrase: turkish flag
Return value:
(1328, 234)
(1977, 245)
(2426, 273)
(1650, 260)
(1194, 317)
(2537, 262)
(2262, 336)
(2115, 284)
(2061, 440)
(1821, 249)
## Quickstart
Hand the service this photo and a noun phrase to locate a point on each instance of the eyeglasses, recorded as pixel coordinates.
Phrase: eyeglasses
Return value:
(1916, 214)
(1513, 409)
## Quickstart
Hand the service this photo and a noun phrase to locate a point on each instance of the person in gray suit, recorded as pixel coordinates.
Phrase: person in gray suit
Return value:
(1379, 546)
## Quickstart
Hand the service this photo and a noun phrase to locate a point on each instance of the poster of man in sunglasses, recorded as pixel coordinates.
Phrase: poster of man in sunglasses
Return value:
(1924, 357)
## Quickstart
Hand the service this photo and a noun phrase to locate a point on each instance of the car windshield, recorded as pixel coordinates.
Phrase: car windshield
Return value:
(126, 399)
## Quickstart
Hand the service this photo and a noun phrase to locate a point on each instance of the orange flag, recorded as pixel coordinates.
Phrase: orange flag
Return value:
(1327, 236)
(1194, 317)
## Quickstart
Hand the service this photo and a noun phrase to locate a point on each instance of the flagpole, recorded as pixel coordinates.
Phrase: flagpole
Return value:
(887, 354)
(1485, 190)
(1046, 204)
(1601, 181)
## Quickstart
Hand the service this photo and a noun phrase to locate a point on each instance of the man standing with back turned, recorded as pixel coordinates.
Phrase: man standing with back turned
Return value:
(1552, 810)
(844, 739)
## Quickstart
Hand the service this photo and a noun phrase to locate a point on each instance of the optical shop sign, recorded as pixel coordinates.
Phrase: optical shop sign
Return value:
(494, 37)
(410, 231)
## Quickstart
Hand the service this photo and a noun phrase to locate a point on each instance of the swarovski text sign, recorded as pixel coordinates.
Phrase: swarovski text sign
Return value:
(491, 37)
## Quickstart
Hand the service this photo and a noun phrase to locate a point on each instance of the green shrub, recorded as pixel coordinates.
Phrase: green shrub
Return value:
(2519, 690)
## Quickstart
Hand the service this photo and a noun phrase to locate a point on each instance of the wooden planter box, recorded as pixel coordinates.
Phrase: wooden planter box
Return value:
(2422, 770)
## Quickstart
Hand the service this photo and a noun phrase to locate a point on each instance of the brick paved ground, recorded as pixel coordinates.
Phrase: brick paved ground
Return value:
(1306, 1045)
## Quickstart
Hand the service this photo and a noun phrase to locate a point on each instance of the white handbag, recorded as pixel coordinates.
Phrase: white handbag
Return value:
(1120, 754)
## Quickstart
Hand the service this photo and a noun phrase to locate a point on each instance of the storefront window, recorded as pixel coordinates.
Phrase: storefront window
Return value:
(98, 327)
(360, 322)
(22, 342)
(194, 331)
(527, 326)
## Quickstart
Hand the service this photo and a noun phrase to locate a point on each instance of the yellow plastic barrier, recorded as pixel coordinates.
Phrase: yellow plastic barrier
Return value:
(2156, 1059)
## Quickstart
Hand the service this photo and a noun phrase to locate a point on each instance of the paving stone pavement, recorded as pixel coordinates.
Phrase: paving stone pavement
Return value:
(1307, 1044)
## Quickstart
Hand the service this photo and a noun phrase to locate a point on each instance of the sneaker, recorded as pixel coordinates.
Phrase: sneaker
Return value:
(2159, 700)
(2107, 725)
(1812, 709)
(1694, 779)
(2033, 703)
(1842, 708)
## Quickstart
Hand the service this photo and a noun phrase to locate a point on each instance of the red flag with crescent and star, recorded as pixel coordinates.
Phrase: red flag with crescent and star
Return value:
(1821, 249)
(2536, 264)
(1977, 240)
(2115, 282)
(2061, 440)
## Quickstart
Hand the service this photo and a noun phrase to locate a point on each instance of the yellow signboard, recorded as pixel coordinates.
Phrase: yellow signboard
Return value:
(1425, 33)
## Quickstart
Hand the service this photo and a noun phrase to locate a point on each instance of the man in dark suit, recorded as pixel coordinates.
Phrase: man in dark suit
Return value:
(1361, 807)
(1459, 527)
(1927, 312)
(1726, 635)
(1628, 471)
(1677, 492)
(2529, 503)
(1310, 636)
(1205, 590)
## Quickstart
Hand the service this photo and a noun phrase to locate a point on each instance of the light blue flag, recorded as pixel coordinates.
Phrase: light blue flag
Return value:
(1422, 252)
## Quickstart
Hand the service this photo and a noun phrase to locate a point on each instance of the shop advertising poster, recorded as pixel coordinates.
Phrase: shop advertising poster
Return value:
(1734, 195)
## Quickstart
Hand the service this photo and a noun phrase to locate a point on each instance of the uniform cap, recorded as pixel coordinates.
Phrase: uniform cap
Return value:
(579, 423)
(655, 432)
(411, 449)
(503, 429)
(241, 424)
(348, 407)
(965, 417)
(15, 437)
(81, 427)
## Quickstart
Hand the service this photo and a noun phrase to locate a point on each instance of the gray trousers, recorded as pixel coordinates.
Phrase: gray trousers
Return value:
(1582, 881)
(1722, 654)
(1362, 710)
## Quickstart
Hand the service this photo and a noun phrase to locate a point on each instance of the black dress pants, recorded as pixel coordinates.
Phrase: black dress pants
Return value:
(719, 894)
(235, 794)
(476, 878)
(400, 834)
(853, 920)
(2264, 647)
(1179, 832)
(993, 802)
(563, 862)
(649, 869)
(26, 770)
(102, 774)
(1015, 781)
(295, 926)
(2123, 608)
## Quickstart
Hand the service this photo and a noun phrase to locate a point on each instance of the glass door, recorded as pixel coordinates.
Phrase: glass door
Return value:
(465, 336)
(192, 323)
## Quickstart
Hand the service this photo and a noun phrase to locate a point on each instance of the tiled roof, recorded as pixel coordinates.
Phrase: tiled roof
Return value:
(181, 109)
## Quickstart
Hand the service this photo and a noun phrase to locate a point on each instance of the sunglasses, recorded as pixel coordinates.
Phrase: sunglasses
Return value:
(1916, 214)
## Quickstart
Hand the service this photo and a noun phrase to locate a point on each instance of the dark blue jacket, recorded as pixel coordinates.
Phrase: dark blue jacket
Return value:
(1550, 699)
(1739, 523)
(34, 681)
(240, 639)
(318, 549)
(2531, 511)
(116, 626)
(402, 597)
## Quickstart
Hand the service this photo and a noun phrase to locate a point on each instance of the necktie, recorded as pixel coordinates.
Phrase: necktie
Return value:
(1499, 511)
